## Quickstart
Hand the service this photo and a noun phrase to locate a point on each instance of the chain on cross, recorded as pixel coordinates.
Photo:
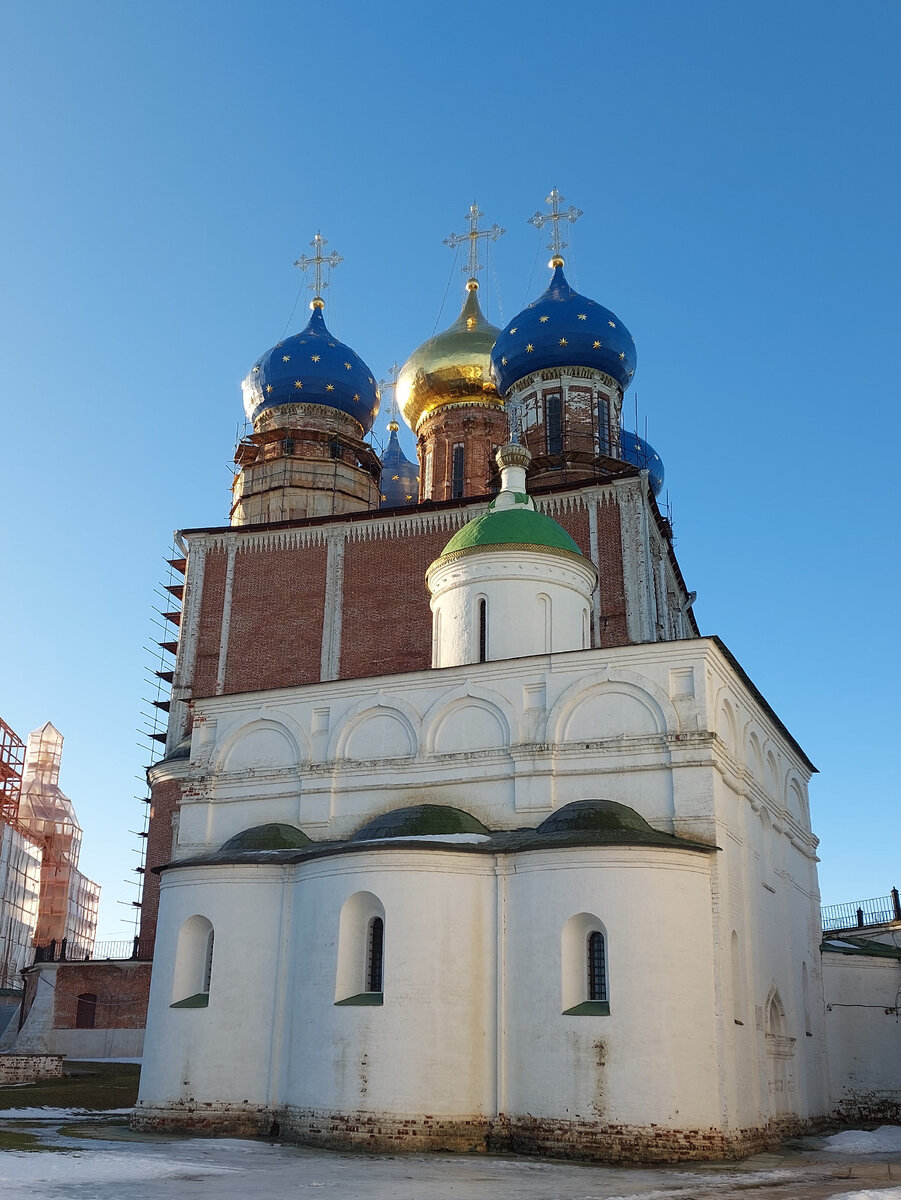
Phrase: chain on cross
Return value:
(317, 261)
(457, 239)
(556, 244)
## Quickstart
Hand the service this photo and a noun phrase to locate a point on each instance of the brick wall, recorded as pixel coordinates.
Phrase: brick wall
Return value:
(479, 429)
(275, 639)
(27, 1068)
(164, 797)
(122, 990)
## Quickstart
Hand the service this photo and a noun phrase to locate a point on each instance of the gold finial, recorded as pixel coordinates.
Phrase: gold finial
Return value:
(456, 239)
(390, 384)
(556, 244)
(317, 260)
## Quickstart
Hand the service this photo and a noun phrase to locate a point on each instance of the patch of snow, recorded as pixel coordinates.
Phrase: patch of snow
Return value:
(78, 1058)
(884, 1140)
(892, 1193)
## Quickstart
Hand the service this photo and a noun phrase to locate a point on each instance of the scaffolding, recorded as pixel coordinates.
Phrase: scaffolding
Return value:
(67, 909)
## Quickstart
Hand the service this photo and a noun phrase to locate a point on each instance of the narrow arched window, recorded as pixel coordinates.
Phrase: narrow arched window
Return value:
(597, 967)
(86, 1011)
(483, 630)
(375, 955)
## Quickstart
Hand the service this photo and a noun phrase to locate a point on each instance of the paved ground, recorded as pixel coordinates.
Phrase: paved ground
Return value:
(78, 1157)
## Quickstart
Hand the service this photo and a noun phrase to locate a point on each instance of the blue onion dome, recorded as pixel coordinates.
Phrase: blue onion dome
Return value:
(312, 367)
(454, 367)
(563, 329)
(635, 450)
(400, 477)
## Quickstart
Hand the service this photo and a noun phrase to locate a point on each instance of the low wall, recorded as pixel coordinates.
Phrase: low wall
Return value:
(28, 1068)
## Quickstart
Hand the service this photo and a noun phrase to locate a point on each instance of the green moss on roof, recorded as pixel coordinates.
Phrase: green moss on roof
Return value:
(424, 820)
(602, 821)
(268, 837)
(511, 527)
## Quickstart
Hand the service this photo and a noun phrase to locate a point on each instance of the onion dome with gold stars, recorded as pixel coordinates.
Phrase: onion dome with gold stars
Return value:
(563, 329)
(635, 450)
(453, 367)
(400, 477)
(312, 367)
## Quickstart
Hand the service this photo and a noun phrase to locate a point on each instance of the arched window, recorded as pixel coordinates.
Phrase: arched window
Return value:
(193, 964)
(597, 967)
(374, 957)
(483, 629)
(585, 978)
(86, 1011)
(360, 974)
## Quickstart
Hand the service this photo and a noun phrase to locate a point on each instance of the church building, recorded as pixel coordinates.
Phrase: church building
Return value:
(505, 856)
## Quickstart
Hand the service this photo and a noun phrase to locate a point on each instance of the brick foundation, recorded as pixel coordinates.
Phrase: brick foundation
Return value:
(369, 1132)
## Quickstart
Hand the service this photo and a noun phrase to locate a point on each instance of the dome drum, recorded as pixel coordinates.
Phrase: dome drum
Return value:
(456, 446)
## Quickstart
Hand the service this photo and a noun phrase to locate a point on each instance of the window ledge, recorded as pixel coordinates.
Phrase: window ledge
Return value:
(201, 1000)
(362, 1000)
(589, 1008)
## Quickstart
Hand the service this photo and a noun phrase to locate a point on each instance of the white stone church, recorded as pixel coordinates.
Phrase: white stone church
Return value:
(539, 874)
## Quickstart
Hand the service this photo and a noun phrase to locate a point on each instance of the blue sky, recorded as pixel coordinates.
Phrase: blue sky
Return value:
(163, 165)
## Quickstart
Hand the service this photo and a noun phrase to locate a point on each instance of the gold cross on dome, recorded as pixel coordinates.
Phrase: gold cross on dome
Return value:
(556, 244)
(317, 261)
(457, 239)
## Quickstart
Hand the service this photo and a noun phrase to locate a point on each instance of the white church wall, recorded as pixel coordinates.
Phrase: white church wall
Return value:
(430, 1046)
(652, 1059)
(222, 1053)
(863, 1013)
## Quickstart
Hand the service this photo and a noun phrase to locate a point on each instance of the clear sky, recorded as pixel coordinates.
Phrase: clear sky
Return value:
(738, 168)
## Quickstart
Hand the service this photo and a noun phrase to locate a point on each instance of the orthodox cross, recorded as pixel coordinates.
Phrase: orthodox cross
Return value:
(390, 384)
(457, 239)
(556, 244)
(317, 260)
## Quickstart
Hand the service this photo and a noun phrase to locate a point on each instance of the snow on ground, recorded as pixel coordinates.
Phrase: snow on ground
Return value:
(884, 1140)
(892, 1193)
(58, 1114)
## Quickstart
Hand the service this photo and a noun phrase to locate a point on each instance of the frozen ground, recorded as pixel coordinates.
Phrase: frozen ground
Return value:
(95, 1157)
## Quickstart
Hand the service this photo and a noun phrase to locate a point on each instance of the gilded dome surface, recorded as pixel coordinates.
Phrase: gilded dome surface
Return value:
(452, 368)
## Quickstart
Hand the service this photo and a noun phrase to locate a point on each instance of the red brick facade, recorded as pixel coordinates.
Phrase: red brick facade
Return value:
(478, 430)
(122, 990)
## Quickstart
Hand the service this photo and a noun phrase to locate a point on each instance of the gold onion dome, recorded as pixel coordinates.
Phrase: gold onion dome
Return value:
(454, 367)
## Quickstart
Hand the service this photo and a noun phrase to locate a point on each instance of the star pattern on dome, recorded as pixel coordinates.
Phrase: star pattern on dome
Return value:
(595, 345)
(286, 358)
(612, 324)
(513, 330)
(563, 342)
(529, 348)
(297, 383)
(582, 316)
(347, 366)
(504, 361)
(544, 319)
(269, 388)
(329, 387)
(315, 357)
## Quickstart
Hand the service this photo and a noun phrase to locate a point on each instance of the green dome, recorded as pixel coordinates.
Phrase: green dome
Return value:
(422, 820)
(512, 527)
(268, 837)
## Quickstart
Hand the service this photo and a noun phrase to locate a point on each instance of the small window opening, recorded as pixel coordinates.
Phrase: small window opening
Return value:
(597, 972)
(483, 630)
(553, 417)
(86, 1011)
(375, 955)
(288, 446)
(208, 964)
(334, 448)
(457, 472)
(603, 425)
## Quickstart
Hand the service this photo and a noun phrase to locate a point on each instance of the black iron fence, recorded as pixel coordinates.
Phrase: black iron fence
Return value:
(861, 913)
(136, 949)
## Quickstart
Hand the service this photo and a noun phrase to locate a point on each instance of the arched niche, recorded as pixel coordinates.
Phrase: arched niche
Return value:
(262, 745)
(611, 704)
(379, 733)
(470, 720)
